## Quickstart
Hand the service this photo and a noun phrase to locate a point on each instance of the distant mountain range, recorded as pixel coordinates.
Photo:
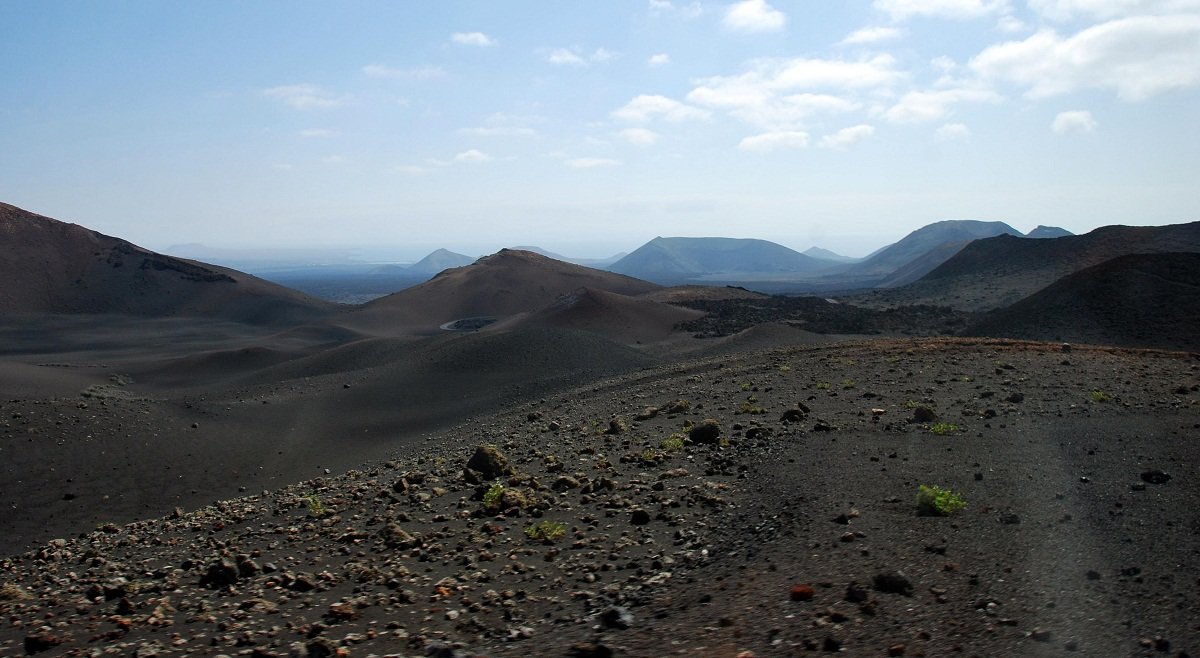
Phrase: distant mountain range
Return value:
(825, 254)
(438, 260)
(997, 271)
(679, 260)
(1117, 284)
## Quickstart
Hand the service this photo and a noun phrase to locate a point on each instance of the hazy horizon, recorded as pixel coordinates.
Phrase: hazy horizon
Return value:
(475, 125)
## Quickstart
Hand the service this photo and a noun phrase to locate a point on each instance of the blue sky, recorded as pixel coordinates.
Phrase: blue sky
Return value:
(589, 128)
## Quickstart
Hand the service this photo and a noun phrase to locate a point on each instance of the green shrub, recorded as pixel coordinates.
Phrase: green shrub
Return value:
(316, 506)
(944, 429)
(751, 406)
(546, 531)
(936, 501)
(491, 498)
(823, 385)
(848, 384)
(1100, 396)
(672, 443)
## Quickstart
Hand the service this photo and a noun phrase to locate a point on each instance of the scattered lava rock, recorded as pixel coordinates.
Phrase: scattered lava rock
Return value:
(892, 582)
(1156, 476)
(924, 415)
(489, 462)
(802, 592)
(708, 431)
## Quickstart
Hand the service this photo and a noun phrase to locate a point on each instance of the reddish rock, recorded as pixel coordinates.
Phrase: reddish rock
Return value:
(802, 592)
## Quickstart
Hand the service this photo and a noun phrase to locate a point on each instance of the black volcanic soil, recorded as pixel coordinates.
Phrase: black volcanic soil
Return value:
(724, 317)
(1143, 300)
(794, 531)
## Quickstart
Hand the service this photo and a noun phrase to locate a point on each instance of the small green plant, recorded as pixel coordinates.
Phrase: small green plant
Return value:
(944, 429)
(751, 406)
(848, 384)
(546, 531)
(785, 368)
(1100, 396)
(491, 497)
(746, 386)
(672, 443)
(650, 455)
(936, 501)
(911, 404)
(316, 506)
(823, 385)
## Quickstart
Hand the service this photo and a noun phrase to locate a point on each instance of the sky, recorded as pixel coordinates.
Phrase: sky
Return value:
(588, 128)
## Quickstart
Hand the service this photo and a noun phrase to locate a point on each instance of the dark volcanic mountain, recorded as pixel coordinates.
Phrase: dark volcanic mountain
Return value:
(503, 284)
(441, 259)
(680, 260)
(921, 251)
(995, 272)
(48, 266)
(825, 254)
(1043, 232)
(1140, 300)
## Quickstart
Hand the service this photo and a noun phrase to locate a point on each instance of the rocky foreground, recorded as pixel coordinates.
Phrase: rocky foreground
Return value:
(763, 504)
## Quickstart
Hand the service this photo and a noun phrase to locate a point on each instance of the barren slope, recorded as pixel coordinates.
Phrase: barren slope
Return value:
(48, 266)
(1143, 300)
(791, 529)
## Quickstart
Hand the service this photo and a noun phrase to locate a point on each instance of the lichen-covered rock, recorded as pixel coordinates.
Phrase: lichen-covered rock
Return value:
(489, 462)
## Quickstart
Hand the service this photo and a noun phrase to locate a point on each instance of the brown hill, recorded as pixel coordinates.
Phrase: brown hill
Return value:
(503, 284)
(991, 273)
(1142, 300)
(49, 266)
(617, 317)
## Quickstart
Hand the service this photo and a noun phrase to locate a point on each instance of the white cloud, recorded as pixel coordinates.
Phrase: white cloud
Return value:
(472, 39)
(772, 141)
(689, 10)
(1074, 121)
(761, 95)
(472, 156)
(918, 106)
(661, 59)
(1136, 57)
(504, 125)
(871, 35)
(318, 132)
(305, 96)
(411, 170)
(414, 73)
(645, 107)
(1065, 10)
(564, 57)
(1011, 24)
(953, 9)
(754, 16)
(499, 131)
(569, 57)
(950, 132)
(847, 137)
(591, 163)
(602, 55)
(640, 136)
